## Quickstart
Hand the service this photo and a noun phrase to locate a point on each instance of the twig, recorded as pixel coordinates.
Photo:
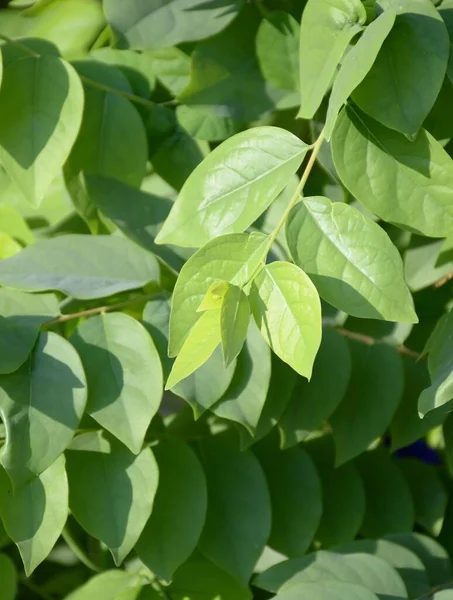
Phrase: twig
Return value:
(371, 341)
(443, 280)
(434, 590)
(98, 309)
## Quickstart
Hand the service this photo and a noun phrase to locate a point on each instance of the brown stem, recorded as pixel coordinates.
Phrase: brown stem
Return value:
(98, 309)
(370, 341)
(443, 280)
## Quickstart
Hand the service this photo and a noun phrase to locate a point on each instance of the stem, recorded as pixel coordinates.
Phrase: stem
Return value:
(98, 309)
(371, 341)
(86, 80)
(305, 175)
(434, 590)
(78, 551)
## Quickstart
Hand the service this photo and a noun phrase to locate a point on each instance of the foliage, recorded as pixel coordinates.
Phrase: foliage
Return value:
(226, 317)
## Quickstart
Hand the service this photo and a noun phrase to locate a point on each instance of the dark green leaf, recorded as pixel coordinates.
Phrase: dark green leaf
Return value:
(8, 577)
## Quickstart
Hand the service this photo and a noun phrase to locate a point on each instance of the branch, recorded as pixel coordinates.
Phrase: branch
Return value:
(98, 309)
(443, 280)
(434, 590)
(370, 341)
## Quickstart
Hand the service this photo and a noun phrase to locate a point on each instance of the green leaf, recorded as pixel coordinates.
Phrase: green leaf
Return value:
(440, 365)
(433, 556)
(111, 491)
(361, 569)
(8, 577)
(403, 84)
(214, 296)
(373, 395)
(287, 309)
(231, 258)
(428, 492)
(343, 495)
(234, 322)
(446, 12)
(296, 499)
(277, 50)
(357, 63)
(136, 66)
(327, 27)
(21, 317)
(408, 565)
(328, 590)
(179, 510)
(244, 400)
(207, 125)
(407, 183)
(82, 266)
(156, 318)
(420, 263)
(14, 224)
(281, 386)
(41, 405)
(389, 504)
(124, 375)
(114, 199)
(109, 121)
(172, 68)
(35, 514)
(108, 585)
(407, 427)
(234, 184)
(313, 402)
(157, 25)
(351, 260)
(44, 100)
(239, 499)
(199, 579)
(203, 339)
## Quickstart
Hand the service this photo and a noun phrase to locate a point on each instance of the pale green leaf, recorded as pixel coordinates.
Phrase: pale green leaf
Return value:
(357, 63)
(327, 28)
(431, 553)
(214, 296)
(41, 405)
(231, 258)
(408, 565)
(82, 266)
(403, 84)
(328, 590)
(296, 498)
(172, 68)
(234, 184)
(8, 578)
(157, 24)
(313, 402)
(287, 309)
(373, 395)
(21, 317)
(440, 365)
(409, 184)
(277, 50)
(234, 322)
(420, 263)
(351, 260)
(13, 223)
(239, 499)
(243, 401)
(179, 510)
(111, 491)
(124, 375)
(203, 339)
(108, 585)
(8, 246)
(343, 494)
(34, 515)
(200, 579)
(43, 99)
(359, 568)
(389, 503)
(428, 492)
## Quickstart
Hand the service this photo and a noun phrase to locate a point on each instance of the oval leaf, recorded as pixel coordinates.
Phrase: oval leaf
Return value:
(111, 491)
(124, 375)
(41, 405)
(287, 310)
(81, 266)
(234, 322)
(351, 260)
(234, 184)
